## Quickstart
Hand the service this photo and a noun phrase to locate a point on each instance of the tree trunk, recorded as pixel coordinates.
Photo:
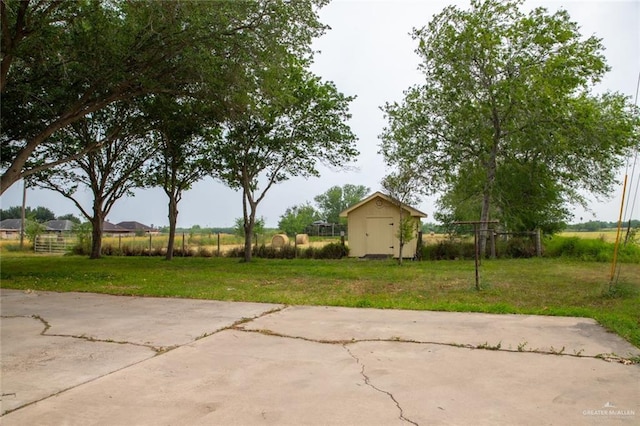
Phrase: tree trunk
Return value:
(249, 215)
(173, 220)
(96, 236)
(486, 196)
(248, 238)
(484, 219)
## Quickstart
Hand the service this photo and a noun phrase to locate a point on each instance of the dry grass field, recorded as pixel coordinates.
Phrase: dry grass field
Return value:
(608, 235)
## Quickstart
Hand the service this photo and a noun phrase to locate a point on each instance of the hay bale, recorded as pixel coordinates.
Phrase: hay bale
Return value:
(302, 239)
(279, 240)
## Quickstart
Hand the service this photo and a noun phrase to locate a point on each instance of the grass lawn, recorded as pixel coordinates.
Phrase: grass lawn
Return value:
(524, 286)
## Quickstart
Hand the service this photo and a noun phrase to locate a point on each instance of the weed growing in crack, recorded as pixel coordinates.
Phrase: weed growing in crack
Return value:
(556, 351)
(487, 346)
(612, 357)
(522, 346)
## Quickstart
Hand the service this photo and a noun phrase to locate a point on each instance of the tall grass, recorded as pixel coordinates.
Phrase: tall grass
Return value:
(588, 249)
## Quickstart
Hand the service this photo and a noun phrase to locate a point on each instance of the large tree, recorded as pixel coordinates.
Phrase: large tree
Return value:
(507, 98)
(63, 60)
(184, 134)
(338, 198)
(291, 123)
(110, 172)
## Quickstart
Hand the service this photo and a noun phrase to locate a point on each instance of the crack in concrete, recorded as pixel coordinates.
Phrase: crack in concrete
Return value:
(367, 381)
(608, 357)
(47, 326)
(158, 350)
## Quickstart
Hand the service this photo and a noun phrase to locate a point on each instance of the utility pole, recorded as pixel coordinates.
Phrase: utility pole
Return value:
(22, 215)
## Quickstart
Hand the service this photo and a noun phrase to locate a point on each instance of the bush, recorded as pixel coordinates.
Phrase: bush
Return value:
(332, 251)
(448, 250)
(516, 248)
(329, 251)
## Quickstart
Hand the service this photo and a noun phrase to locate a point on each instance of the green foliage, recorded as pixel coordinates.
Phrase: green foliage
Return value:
(504, 124)
(448, 250)
(588, 249)
(336, 199)
(101, 52)
(32, 230)
(83, 233)
(297, 218)
(110, 172)
(39, 214)
(289, 251)
(239, 227)
(582, 249)
(69, 216)
(516, 248)
(290, 124)
(333, 251)
(183, 129)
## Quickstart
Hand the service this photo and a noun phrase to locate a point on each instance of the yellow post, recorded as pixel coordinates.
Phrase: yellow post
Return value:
(615, 250)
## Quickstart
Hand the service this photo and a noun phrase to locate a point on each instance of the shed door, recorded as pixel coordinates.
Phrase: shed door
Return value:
(379, 235)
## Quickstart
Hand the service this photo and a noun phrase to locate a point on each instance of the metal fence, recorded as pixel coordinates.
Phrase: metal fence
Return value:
(53, 244)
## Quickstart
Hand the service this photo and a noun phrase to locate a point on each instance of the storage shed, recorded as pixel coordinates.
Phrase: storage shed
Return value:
(373, 226)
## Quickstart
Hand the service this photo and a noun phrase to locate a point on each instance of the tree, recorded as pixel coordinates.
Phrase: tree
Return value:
(336, 199)
(185, 151)
(69, 216)
(506, 98)
(403, 187)
(297, 218)
(109, 173)
(292, 122)
(39, 214)
(63, 60)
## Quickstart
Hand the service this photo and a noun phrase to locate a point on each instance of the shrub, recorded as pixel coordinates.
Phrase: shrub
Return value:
(516, 248)
(448, 250)
(332, 251)
(329, 251)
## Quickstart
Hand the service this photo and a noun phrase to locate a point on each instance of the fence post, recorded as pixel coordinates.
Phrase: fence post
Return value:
(492, 238)
(149, 243)
(183, 244)
(538, 243)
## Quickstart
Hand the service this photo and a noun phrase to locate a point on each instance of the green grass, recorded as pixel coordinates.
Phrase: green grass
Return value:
(524, 286)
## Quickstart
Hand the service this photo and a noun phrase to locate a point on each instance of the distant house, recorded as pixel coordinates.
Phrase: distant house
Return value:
(137, 227)
(10, 228)
(373, 225)
(110, 228)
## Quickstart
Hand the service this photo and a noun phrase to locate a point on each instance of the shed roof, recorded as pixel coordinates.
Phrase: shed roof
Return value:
(414, 212)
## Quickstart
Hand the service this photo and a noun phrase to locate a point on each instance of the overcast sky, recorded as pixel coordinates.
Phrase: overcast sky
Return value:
(369, 53)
